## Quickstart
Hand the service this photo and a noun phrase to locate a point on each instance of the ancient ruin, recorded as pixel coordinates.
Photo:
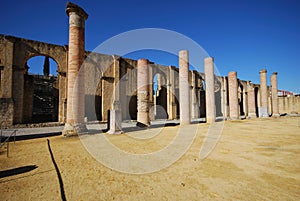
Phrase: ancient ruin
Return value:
(181, 93)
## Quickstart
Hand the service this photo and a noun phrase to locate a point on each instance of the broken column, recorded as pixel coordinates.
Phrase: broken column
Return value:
(263, 109)
(233, 96)
(115, 121)
(184, 88)
(274, 85)
(210, 89)
(76, 95)
(143, 93)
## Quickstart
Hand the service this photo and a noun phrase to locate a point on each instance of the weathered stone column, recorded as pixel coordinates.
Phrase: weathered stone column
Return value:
(143, 93)
(195, 106)
(184, 88)
(210, 89)
(274, 85)
(171, 93)
(263, 109)
(251, 100)
(115, 121)
(245, 102)
(76, 95)
(225, 103)
(233, 96)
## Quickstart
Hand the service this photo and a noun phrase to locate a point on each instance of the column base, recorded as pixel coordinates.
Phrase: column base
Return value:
(275, 115)
(183, 123)
(210, 120)
(142, 125)
(252, 115)
(74, 129)
(233, 118)
(263, 112)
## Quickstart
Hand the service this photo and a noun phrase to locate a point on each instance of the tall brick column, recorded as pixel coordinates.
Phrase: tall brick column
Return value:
(263, 109)
(184, 88)
(251, 100)
(233, 96)
(210, 89)
(143, 93)
(274, 85)
(76, 95)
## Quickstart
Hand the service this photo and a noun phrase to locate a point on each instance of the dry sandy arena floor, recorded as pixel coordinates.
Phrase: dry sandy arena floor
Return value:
(256, 159)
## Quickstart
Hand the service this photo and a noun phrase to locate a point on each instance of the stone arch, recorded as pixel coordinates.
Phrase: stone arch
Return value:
(19, 50)
(41, 94)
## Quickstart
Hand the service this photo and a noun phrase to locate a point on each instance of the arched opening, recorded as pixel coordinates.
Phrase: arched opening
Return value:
(160, 96)
(41, 90)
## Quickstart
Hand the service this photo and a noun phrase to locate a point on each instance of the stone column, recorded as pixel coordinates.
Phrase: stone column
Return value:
(245, 102)
(76, 95)
(224, 97)
(251, 100)
(143, 93)
(210, 89)
(152, 96)
(184, 88)
(233, 96)
(171, 93)
(195, 106)
(263, 109)
(115, 121)
(274, 85)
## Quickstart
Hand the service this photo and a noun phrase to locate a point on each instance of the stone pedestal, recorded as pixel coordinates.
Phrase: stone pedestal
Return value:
(210, 90)
(115, 122)
(263, 109)
(76, 95)
(275, 107)
(143, 93)
(233, 96)
(184, 88)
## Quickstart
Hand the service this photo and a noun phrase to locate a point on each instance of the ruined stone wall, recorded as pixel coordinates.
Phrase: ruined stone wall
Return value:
(16, 95)
(6, 112)
(289, 104)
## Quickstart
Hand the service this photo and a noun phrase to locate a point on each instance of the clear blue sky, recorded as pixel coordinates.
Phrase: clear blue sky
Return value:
(242, 35)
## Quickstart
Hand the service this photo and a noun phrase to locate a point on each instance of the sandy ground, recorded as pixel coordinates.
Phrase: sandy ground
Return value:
(257, 159)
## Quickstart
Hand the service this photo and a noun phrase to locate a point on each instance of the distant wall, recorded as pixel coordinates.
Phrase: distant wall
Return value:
(289, 104)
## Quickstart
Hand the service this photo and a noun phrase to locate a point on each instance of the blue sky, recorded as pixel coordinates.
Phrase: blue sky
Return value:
(242, 35)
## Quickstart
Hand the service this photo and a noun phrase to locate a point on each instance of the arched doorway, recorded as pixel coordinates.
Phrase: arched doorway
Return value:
(41, 90)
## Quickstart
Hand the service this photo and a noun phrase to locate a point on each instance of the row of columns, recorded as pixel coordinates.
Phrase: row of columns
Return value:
(75, 95)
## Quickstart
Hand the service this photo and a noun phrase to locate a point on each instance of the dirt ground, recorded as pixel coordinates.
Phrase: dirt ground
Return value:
(256, 159)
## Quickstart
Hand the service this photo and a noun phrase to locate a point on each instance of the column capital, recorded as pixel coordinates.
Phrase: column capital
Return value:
(275, 73)
(263, 71)
(71, 7)
(232, 73)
